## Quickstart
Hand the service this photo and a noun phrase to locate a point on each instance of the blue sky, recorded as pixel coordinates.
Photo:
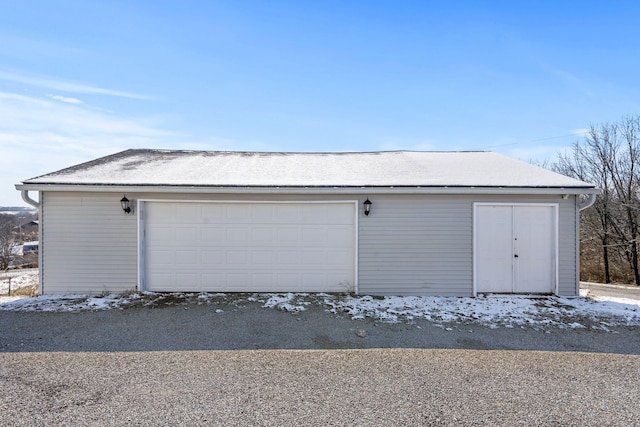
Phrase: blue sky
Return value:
(82, 79)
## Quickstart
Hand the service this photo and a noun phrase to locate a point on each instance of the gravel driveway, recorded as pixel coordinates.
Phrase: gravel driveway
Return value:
(247, 365)
(388, 387)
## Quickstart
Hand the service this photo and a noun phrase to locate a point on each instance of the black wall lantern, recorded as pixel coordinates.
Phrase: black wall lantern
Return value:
(126, 206)
(367, 206)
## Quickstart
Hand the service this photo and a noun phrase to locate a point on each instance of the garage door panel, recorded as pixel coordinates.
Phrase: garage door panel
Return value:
(211, 279)
(237, 234)
(159, 257)
(212, 234)
(160, 233)
(262, 258)
(339, 236)
(337, 257)
(237, 280)
(262, 234)
(289, 234)
(287, 281)
(238, 213)
(212, 213)
(288, 258)
(315, 235)
(340, 215)
(186, 234)
(262, 210)
(313, 281)
(212, 257)
(163, 281)
(161, 214)
(287, 214)
(235, 258)
(186, 278)
(187, 257)
(334, 278)
(314, 214)
(313, 258)
(187, 214)
(249, 246)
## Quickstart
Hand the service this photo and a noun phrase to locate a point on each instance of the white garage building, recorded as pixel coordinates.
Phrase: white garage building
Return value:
(381, 223)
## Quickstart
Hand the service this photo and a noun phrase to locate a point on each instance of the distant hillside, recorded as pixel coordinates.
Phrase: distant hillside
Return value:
(17, 210)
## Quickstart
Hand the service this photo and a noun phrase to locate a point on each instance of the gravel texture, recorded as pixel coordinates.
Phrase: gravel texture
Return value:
(247, 365)
(320, 387)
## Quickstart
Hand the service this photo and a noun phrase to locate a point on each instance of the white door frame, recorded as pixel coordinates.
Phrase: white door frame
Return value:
(140, 209)
(555, 234)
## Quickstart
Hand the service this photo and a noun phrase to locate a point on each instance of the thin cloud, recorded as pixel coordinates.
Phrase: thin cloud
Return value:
(66, 99)
(42, 134)
(408, 146)
(25, 113)
(540, 153)
(67, 86)
(580, 132)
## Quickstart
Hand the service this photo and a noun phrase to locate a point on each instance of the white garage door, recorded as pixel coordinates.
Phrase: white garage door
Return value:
(515, 248)
(248, 247)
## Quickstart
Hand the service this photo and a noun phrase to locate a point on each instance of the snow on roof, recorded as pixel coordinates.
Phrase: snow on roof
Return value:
(349, 169)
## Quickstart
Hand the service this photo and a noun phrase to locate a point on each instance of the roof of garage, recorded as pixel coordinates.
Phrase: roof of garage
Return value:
(144, 167)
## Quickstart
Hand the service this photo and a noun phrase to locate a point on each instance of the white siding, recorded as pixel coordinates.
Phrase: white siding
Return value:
(417, 245)
(423, 245)
(89, 244)
(410, 244)
(568, 258)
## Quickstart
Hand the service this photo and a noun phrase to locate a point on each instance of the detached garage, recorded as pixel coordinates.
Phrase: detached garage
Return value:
(380, 223)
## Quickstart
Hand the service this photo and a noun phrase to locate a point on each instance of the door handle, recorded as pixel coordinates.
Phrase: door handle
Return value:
(515, 256)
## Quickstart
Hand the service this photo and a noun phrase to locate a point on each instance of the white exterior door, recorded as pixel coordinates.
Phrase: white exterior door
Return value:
(494, 249)
(534, 248)
(248, 247)
(515, 248)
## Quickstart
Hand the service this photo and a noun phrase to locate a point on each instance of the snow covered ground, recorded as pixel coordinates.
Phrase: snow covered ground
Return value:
(17, 279)
(493, 310)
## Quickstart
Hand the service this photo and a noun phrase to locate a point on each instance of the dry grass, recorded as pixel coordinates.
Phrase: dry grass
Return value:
(592, 265)
(26, 291)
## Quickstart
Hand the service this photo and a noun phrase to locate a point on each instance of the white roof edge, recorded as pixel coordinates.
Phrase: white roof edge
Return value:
(305, 190)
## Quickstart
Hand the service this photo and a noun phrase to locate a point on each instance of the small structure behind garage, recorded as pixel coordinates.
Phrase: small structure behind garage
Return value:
(437, 223)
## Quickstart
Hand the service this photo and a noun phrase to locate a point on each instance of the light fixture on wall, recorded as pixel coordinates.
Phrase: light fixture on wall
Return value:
(367, 206)
(126, 205)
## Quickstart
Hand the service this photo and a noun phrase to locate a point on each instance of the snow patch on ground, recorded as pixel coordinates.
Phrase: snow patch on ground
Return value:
(17, 279)
(618, 300)
(493, 311)
(287, 302)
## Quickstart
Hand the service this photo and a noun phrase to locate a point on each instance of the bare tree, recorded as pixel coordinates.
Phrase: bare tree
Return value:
(609, 157)
(8, 241)
(625, 176)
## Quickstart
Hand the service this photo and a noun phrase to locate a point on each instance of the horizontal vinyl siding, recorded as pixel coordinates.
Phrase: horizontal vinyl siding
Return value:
(416, 245)
(89, 244)
(423, 245)
(409, 245)
(567, 256)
